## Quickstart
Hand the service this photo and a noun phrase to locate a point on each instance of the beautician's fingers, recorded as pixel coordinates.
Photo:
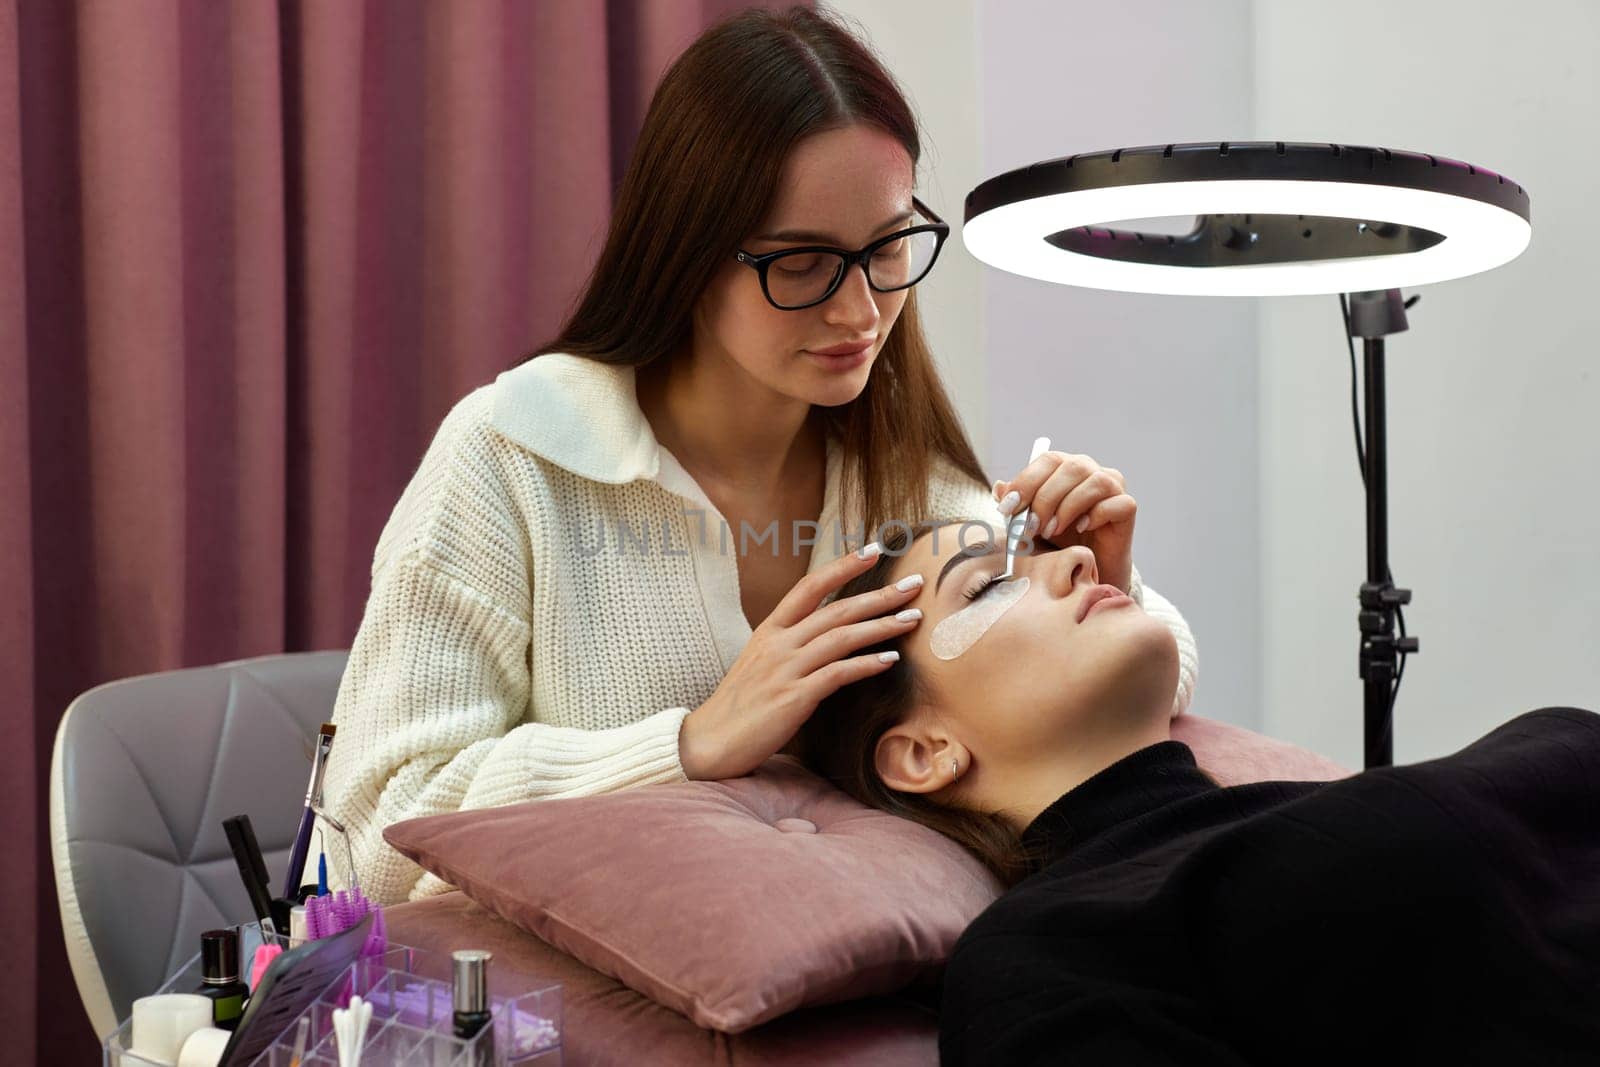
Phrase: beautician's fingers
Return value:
(885, 600)
(1075, 504)
(1066, 478)
(1120, 508)
(840, 641)
(805, 595)
(1108, 533)
(1026, 482)
(769, 691)
(825, 680)
(1031, 479)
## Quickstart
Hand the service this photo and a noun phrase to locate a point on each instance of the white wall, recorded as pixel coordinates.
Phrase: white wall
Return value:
(1231, 417)
(1162, 388)
(928, 48)
(1494, 518)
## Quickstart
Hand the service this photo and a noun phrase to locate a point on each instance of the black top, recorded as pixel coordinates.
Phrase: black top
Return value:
(1440, 912)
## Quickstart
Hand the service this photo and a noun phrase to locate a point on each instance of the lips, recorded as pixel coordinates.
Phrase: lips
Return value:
(1094, 596)
(843, 350)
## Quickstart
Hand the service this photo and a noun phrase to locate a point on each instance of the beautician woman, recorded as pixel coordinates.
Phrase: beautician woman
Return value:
(616, 564)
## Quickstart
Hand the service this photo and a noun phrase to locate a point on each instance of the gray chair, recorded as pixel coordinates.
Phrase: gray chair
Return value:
(144, 771)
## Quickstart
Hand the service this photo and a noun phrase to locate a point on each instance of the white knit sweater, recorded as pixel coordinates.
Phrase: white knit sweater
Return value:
(504, 656)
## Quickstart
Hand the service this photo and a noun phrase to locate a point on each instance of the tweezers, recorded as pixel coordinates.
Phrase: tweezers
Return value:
(1019, 521)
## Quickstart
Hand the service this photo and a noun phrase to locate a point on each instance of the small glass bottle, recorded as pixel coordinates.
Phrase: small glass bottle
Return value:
(470, 999)
(219, 963)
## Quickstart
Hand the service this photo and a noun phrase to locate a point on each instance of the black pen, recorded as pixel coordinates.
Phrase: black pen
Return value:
(252, 869)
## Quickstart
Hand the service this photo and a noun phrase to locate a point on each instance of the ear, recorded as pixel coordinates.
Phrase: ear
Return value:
(915, 758)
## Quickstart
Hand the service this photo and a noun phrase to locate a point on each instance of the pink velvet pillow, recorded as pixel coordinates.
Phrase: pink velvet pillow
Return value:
(735, 902)
(1233, 755)
(732, 902)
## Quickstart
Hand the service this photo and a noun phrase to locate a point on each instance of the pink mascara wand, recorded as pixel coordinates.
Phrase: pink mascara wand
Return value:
(317, 917)
(377, 942)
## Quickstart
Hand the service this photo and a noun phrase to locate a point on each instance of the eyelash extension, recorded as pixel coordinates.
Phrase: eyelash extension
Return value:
(983, 587)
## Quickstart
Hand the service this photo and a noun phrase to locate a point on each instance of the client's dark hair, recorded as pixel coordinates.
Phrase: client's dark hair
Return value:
(840, 739)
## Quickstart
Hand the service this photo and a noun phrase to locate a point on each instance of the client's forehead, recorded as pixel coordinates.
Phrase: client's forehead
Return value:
(934, 548)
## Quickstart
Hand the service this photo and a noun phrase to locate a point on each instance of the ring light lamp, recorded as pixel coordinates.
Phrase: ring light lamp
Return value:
(1273, 218)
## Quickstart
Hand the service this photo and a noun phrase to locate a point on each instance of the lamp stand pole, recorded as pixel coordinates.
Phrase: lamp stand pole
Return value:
(1373, 316)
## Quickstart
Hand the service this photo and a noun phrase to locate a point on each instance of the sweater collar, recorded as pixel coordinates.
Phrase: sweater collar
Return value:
(1143, 781)
(579, 413)
(583, 414)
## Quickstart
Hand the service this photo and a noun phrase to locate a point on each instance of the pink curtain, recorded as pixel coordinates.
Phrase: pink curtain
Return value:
(250, 254)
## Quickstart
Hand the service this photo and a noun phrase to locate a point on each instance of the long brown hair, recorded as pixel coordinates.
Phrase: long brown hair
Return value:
(840, 739)
(703, 175)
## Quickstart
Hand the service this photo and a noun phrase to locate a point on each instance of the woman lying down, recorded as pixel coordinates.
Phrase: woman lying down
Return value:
(1442, 912)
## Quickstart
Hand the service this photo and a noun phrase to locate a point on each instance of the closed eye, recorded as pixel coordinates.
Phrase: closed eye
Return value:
(985, 583)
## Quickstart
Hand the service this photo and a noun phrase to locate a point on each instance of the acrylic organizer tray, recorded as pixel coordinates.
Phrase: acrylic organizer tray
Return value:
(409, 990)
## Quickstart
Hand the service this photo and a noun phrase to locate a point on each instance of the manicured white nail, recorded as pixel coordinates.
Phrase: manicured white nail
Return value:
(1051, 527)
(910, 581)
(1009, 502)
(908, 615)
(1083, 524)
(888, 657)
(867, 551)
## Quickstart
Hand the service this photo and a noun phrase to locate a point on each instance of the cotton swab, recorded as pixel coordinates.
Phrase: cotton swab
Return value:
(350, 1030)
(361, 1034)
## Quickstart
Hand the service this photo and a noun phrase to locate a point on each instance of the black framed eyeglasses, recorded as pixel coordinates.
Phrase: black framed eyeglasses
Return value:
(795, 278)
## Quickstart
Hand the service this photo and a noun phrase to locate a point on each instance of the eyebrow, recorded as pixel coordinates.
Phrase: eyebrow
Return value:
(982, 548)
(826, 238)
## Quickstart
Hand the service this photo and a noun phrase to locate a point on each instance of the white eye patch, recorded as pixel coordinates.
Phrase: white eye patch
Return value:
(958, 632)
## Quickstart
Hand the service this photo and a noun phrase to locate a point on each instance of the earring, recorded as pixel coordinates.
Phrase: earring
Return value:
(955, 770)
